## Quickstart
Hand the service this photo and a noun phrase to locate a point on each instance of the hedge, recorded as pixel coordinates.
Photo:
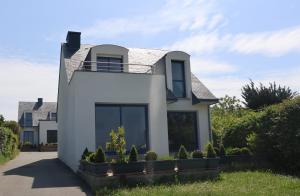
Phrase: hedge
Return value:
(8, 143)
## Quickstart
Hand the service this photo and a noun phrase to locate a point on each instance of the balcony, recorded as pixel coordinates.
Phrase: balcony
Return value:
(115, 67)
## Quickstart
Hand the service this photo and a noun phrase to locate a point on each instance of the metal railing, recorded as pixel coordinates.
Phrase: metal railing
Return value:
(96, 66)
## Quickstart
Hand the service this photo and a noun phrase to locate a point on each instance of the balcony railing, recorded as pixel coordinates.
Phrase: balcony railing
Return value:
(115, 67)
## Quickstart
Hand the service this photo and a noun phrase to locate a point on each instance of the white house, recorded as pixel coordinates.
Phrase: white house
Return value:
(151, 93)
(38, 122)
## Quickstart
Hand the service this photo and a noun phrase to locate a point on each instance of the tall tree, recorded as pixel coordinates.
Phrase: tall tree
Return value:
(261, 96)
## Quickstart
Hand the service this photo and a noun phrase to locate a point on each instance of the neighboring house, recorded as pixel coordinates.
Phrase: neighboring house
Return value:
(151, 93)
(38, 122)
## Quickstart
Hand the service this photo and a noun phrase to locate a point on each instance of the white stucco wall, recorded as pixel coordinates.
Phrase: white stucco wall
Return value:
(44, 126)
(88, 88)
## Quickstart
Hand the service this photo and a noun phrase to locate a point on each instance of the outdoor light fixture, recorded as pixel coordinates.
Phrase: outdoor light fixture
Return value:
(109, 173)
(176, 169)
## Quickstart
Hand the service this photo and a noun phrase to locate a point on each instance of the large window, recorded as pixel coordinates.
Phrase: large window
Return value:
(109, 64)
(27, 119)
(51, 136)
(28, 137)
(182, 130)
(178, 78)
(132, 117)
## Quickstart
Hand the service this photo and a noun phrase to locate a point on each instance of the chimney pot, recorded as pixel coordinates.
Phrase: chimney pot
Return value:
(73, 40)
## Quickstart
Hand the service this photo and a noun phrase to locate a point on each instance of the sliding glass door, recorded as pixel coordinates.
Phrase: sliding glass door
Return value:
(132, 117)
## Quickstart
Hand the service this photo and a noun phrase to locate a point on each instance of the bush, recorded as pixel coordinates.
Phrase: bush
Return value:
(151, 156)
(133, 154)
(222, 152)
(84, 155)
(117, 143)
(8, 143)
(100, 156)
(210, 152)
(217, 150)
(92, 157)
(238, 151)
(197, 154)
(182, 153)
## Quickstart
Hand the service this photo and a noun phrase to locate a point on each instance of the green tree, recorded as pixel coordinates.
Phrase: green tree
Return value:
(261, 96)
(117, 143)
(1, 120)
(13, 125)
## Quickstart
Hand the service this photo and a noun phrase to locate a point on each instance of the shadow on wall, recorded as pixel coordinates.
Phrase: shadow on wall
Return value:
(49, 173)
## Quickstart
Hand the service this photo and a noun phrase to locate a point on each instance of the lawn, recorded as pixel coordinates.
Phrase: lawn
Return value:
(236, 183)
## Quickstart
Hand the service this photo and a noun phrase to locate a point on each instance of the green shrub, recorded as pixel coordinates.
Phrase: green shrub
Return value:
(133, 156)
(238, 151)
(217, 150)
(84, 155)
(117, 144)
(8, 143)
(182, 153)
(92, 157)
(100, 155)
(27, 143)
(151, 156)
(197, 154)
(210, 152)
(222, 152)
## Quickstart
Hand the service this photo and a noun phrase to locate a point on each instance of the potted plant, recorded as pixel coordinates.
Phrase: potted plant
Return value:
(97, 163)
(212, 160)
(152, 165)
(197, 161)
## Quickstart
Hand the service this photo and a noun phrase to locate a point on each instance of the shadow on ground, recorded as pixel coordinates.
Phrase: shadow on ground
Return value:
(49, 173)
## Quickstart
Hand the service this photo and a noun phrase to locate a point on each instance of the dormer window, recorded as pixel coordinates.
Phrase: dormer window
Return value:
(52, 115)
(178, 78)
(109, 64)
(27, 119)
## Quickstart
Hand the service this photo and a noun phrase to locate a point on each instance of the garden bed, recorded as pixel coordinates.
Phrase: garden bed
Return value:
(48, 148)
(147, 172)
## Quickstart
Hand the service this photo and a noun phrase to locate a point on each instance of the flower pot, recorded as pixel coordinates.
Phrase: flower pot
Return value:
(191, 164)
(125, 168)
(97, 168)
(212, 163)
(158, 166)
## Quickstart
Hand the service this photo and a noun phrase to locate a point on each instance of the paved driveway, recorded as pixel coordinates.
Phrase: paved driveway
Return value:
(39, 173)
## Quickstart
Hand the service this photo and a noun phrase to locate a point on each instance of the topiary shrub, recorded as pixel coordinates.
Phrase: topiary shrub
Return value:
(210, 152)
(151, 156)
(222, 152)
(197, 154)
(100, 156)
(84, 155)
(91, 158)
(117, 144)
(182, 153)
(133, 154)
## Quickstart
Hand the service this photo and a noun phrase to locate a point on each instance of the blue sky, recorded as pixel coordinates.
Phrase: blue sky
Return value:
(229, 41)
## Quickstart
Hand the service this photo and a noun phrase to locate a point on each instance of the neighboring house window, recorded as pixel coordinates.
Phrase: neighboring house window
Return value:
(182, 130)
(51, 136)
(132, 117)
(28, 137)
(109, 64)
(27, 119)
(178, 78)
(52, 116)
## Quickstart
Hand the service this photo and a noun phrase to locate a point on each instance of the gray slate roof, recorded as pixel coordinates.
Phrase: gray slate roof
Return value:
(38, 112)
(135, 56)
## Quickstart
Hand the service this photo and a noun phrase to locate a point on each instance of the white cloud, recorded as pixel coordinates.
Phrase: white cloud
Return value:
(207, 66)
(274, 43)
(182, 15)
(23, 80)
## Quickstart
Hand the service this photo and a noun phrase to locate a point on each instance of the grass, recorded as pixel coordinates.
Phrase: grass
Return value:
(235, 183)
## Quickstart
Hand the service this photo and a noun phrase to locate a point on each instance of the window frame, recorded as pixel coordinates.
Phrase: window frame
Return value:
(182, 62)
(25, 118)
(145, 106)
(48, 135)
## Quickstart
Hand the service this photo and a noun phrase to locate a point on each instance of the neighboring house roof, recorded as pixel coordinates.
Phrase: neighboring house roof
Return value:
(135, 56)
(38, 112)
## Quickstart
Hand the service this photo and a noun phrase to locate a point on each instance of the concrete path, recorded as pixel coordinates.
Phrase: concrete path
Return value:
(39, 173)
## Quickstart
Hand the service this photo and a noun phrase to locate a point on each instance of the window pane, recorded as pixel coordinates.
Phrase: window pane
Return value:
(107, 118)
(178, 88)
(177, 70)
(115, 65)
(134, 122)
(28, 137)
(28, 119)
(182, 130)
(102, 64)
(51, 136)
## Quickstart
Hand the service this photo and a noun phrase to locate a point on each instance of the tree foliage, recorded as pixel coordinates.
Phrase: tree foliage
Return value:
(258, 97)
(117, 143)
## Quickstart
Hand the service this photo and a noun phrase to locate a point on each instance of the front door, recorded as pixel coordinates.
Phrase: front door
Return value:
(182, 130)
